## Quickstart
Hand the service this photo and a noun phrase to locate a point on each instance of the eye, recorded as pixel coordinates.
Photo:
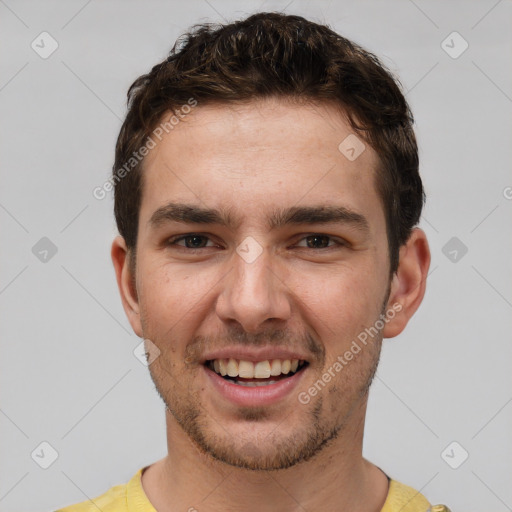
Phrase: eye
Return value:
(319, 241)
(191, 241)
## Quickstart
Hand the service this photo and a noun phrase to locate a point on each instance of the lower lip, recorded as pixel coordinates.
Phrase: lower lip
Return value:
(257, 395)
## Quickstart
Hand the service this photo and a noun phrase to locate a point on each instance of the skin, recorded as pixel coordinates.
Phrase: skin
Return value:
(251, 159)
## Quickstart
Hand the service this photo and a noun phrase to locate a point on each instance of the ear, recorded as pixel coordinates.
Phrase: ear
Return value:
(408, 283)
(126, 283)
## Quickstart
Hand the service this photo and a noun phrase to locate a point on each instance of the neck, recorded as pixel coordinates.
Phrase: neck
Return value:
(336, 478)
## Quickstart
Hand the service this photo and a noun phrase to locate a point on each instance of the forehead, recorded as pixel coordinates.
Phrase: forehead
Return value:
(251, 158)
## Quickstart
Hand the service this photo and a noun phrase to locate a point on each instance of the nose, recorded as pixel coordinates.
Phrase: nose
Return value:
(253, 295)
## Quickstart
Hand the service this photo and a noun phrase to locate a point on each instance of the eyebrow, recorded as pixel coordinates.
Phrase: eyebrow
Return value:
(321, 214)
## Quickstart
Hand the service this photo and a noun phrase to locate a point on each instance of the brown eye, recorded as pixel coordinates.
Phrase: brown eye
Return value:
(195, 241)
(318, 241)
(191, 241)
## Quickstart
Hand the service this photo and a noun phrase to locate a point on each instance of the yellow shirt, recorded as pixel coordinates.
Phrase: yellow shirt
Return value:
(131, 497)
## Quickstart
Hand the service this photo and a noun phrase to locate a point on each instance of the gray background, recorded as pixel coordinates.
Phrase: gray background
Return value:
(68, 373)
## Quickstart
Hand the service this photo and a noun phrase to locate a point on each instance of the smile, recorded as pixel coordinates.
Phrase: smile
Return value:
(255, 383)
(259, 373)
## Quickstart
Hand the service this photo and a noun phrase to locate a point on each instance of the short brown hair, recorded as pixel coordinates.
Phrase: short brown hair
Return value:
(277, 55)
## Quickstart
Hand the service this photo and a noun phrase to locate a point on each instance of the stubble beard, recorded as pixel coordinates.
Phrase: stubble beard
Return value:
(271, 452)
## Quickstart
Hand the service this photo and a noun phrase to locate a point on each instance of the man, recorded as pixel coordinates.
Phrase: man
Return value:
(267, 195)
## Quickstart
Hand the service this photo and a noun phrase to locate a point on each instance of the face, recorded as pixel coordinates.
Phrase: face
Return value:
(261, 246)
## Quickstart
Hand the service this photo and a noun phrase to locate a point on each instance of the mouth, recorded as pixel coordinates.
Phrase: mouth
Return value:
(256, 373)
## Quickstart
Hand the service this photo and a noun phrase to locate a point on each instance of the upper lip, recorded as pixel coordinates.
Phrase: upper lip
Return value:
(253, 354)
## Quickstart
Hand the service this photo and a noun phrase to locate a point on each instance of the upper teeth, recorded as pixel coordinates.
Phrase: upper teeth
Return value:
(258, 370)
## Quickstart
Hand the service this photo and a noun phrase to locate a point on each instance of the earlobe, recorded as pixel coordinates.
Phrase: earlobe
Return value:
(408, 284)
(126, 283)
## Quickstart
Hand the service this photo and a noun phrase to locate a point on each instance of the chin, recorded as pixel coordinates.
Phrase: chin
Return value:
(258, 445)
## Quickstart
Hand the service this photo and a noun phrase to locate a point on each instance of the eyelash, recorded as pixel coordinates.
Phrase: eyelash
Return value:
(172, 241)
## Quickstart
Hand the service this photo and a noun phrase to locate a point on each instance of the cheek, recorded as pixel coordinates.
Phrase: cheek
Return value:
(341, 300)
(174, 300)
(164, 300)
